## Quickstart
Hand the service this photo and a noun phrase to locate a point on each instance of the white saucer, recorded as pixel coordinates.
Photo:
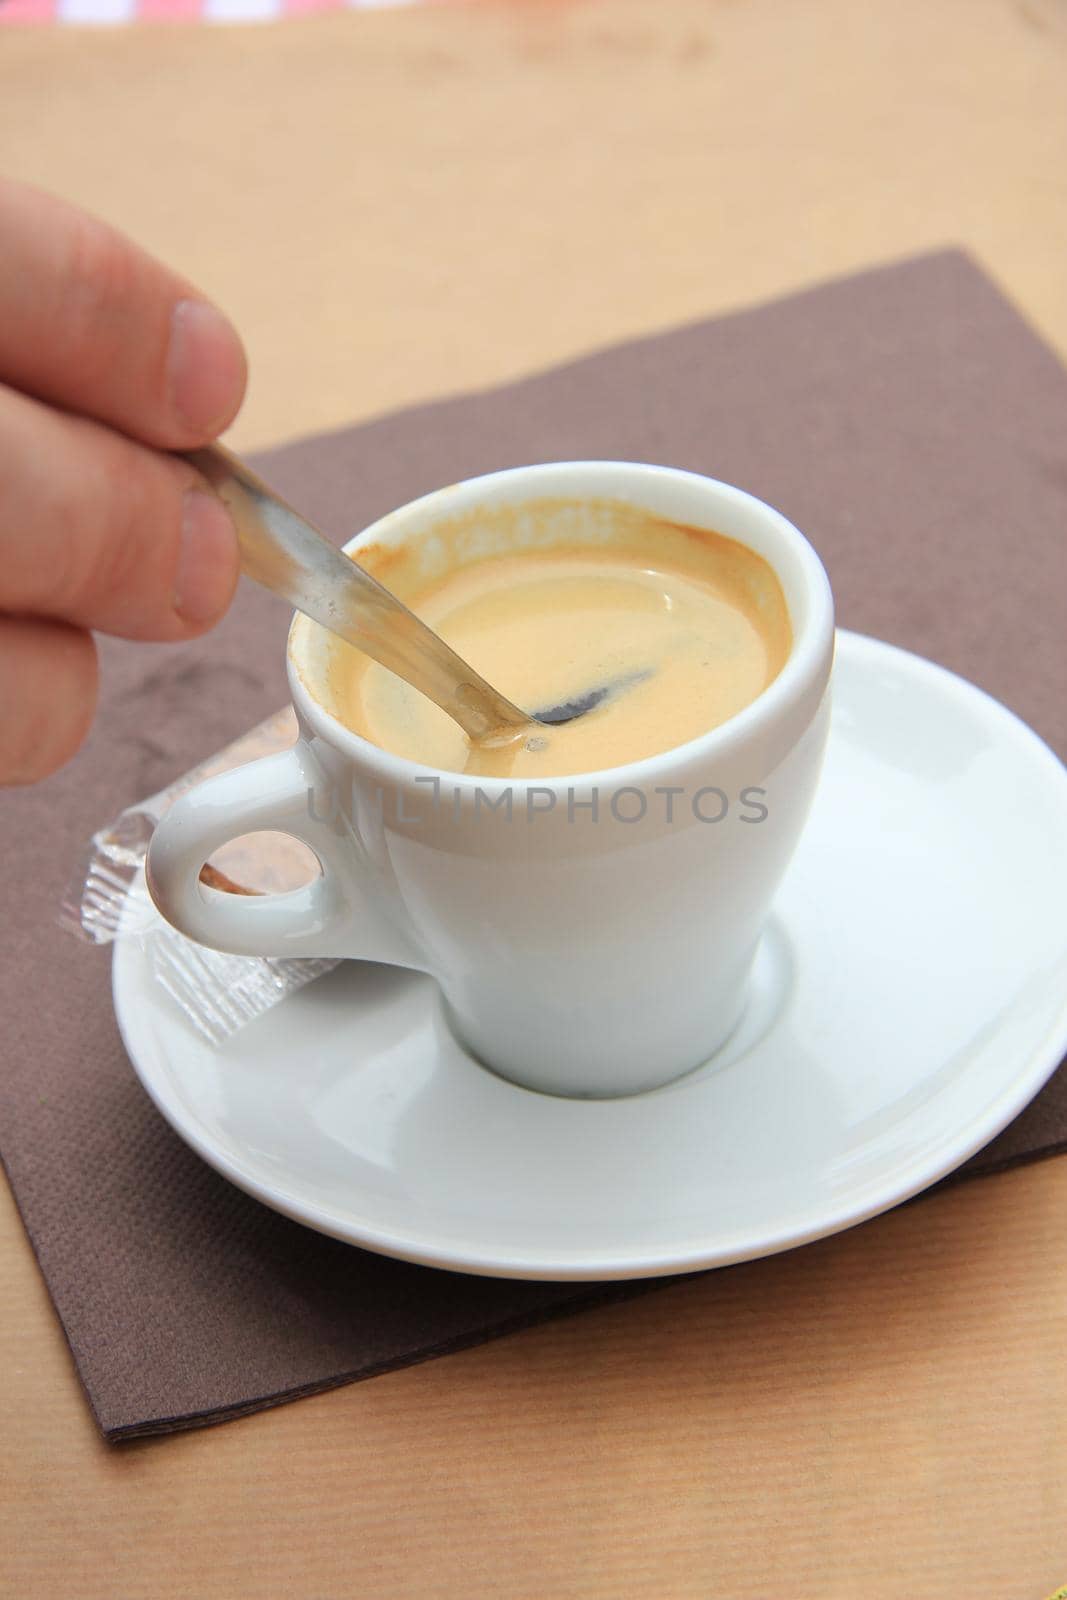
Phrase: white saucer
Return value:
(909, 1000)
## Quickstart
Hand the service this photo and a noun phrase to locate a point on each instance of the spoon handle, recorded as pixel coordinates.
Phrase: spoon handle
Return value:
(287, 555)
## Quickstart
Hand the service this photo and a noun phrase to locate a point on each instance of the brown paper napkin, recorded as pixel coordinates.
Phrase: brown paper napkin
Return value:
(906, 419)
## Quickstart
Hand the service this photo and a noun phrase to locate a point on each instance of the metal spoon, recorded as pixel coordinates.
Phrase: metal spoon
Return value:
(286, 554)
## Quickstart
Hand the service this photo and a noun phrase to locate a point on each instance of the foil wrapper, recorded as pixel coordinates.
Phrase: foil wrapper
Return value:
(107, 902)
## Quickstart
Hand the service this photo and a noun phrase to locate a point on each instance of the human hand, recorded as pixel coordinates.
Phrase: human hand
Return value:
(107, 360)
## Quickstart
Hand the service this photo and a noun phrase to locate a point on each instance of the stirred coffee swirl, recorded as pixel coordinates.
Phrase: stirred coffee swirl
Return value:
(684, 626)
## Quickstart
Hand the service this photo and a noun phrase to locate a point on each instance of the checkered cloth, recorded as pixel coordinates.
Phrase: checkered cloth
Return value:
(95, 13)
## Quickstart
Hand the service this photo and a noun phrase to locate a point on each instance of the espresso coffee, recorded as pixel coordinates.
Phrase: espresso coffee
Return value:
(682, 626)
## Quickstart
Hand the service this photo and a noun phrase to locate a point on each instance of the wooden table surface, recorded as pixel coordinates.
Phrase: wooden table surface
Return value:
(399, 204)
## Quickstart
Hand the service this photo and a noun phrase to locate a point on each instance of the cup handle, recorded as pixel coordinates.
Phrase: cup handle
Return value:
(336, 914)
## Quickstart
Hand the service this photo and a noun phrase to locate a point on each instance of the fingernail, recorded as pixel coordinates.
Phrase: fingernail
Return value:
(207, 564)
(205, 367)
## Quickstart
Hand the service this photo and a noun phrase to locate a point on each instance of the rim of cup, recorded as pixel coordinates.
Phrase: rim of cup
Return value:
(681, 496)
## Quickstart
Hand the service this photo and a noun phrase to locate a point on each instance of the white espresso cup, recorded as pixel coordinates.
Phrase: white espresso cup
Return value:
(591, 935)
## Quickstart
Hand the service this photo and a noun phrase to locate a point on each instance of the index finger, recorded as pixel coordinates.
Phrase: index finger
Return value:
(90, 322)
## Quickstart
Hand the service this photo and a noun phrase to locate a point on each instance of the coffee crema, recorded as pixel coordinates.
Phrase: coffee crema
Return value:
(551, 600)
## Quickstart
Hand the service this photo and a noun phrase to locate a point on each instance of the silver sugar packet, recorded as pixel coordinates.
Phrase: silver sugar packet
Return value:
(107, 902)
